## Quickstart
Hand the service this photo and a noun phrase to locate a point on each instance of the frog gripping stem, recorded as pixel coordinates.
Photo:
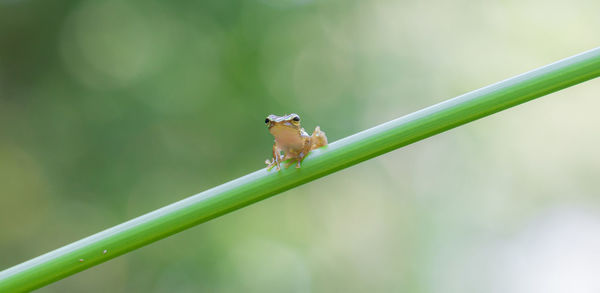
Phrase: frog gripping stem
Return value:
(292, 140)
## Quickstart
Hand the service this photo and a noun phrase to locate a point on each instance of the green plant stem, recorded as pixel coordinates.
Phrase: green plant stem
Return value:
(261, 184)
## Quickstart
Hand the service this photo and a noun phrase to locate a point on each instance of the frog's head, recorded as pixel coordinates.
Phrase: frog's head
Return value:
(283, 125)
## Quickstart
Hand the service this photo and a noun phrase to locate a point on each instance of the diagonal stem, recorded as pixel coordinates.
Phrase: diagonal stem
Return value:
(261, 184)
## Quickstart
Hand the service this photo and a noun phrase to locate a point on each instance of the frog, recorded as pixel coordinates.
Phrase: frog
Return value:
(292, 140)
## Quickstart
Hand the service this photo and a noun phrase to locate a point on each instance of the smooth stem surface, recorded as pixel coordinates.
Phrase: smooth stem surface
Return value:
(261, 184)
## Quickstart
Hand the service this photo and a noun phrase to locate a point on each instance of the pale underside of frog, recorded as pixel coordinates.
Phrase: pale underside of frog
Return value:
(291, 140)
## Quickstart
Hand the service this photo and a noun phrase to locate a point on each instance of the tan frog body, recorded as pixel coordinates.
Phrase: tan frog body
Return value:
(291, 139)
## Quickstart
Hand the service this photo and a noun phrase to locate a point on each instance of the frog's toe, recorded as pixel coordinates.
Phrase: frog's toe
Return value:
(270, 164)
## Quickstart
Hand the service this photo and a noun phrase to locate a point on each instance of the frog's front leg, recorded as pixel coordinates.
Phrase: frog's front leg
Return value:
(277, 158)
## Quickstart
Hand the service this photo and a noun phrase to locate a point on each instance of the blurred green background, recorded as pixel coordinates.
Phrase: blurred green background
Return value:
(111, 109)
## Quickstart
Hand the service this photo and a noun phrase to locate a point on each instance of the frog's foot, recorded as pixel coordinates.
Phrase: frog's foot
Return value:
(318, 138)
(271, 164)
(275, 162)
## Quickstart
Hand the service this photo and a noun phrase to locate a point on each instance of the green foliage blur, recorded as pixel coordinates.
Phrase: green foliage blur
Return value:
(111, 109)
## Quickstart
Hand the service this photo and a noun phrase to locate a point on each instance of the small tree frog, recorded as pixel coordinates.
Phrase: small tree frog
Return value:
(291, 139)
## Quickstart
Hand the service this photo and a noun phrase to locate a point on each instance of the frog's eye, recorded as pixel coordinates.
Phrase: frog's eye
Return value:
(267, 121)
(296, 118)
